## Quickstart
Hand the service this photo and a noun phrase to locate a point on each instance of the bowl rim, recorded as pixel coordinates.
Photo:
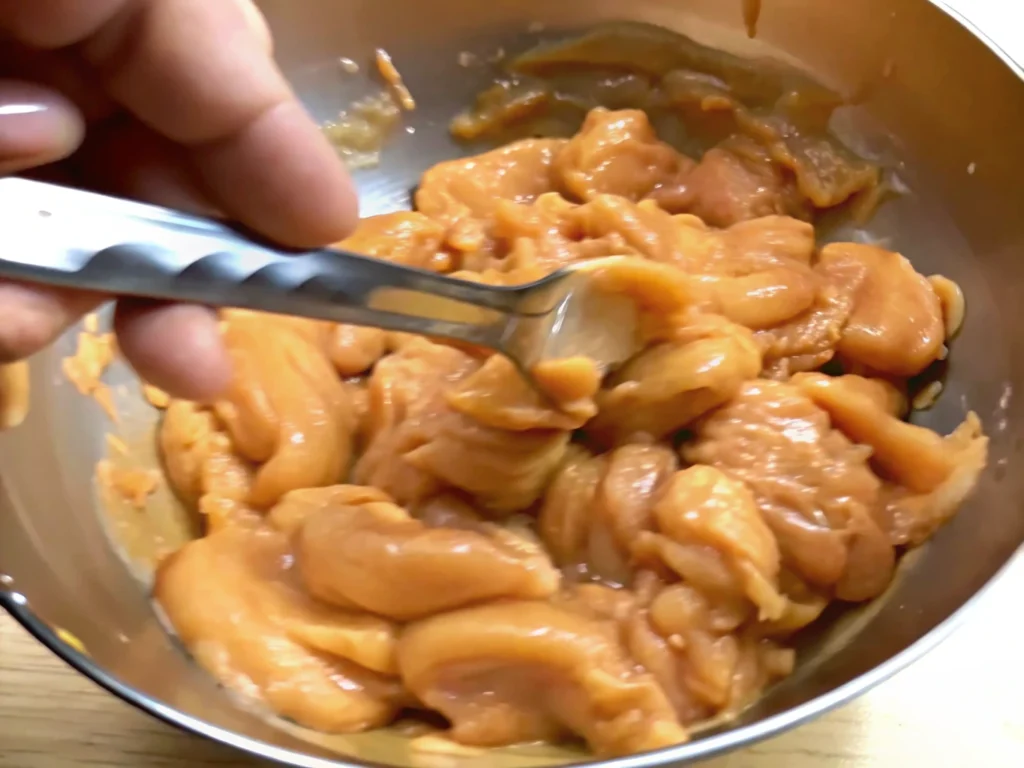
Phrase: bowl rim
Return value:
(17, 605)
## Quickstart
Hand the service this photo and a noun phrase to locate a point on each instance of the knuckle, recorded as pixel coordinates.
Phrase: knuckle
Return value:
(22, 336)
(27, 324)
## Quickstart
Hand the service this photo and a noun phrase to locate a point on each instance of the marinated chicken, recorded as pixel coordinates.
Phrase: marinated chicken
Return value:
(394, 523)
(236, 603)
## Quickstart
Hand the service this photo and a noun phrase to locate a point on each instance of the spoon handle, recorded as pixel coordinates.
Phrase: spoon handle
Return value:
(67, 237)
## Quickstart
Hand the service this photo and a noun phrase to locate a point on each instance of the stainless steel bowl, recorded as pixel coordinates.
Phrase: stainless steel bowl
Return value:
(930, 94)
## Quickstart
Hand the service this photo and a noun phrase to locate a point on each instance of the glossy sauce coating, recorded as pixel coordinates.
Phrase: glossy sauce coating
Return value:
(393, 522)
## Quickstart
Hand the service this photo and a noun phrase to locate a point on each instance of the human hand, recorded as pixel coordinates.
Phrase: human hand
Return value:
(176, 102)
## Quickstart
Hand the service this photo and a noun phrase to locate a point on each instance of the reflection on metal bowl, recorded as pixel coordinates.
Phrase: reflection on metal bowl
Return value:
(928, 97)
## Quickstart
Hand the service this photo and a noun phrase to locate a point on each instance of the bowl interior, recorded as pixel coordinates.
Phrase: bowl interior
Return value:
(929, 99)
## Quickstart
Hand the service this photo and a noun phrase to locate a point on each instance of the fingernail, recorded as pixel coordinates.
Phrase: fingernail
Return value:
(257, 24)
(37, 126)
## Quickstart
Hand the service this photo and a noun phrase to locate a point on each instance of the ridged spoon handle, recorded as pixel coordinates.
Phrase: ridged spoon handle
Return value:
(67, 237)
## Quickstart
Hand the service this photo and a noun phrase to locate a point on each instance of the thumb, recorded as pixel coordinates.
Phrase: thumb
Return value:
(37, 126)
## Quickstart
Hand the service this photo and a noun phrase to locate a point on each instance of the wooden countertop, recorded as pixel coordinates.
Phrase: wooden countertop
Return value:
(961, 705)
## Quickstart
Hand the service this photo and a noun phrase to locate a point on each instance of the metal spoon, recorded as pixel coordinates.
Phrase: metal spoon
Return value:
(67, 237)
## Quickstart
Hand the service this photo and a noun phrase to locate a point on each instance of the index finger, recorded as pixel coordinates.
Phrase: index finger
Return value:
(200, 73)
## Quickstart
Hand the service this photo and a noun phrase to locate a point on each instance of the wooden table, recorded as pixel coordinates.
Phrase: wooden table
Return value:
(961, 706)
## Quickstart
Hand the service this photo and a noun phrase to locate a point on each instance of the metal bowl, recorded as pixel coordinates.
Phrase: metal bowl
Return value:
(929, 94)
